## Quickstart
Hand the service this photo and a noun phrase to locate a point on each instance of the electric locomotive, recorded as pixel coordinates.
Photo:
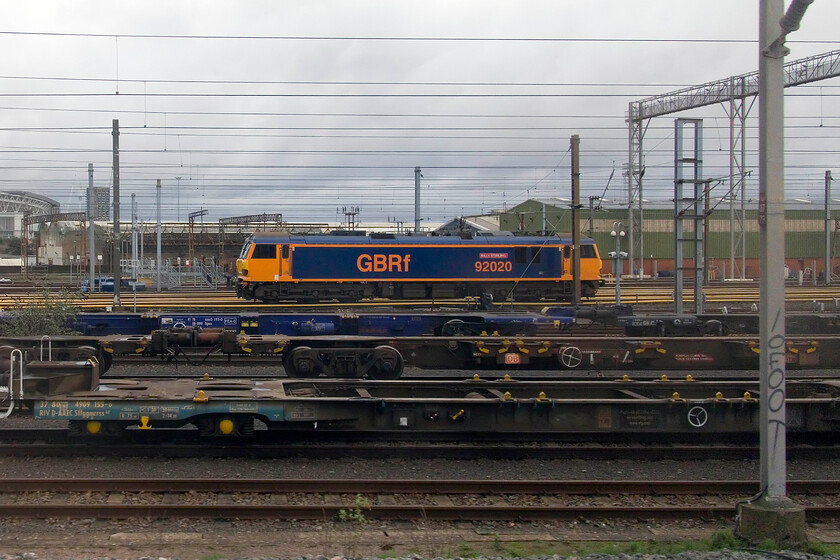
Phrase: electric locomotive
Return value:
(277, 266)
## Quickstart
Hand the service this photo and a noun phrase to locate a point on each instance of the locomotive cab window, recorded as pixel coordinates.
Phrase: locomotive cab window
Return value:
(567, 252)
(587, 251)
(284, 251)
(245, 249)
(265, 252)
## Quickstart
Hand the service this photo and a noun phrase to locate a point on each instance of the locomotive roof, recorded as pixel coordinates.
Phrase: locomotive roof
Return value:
(277, 238)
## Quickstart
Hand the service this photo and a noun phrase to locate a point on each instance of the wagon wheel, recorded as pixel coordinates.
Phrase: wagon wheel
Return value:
(6, 358)
(105, 358)
(713, 327)
(299, 363)
(571, 357)
(385, 363)
(454, 327)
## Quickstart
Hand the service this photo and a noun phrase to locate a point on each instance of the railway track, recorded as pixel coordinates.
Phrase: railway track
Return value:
(56, 442)
(396, 499)
(655, 293)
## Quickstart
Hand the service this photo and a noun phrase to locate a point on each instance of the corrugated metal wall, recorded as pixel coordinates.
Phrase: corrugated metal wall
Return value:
(804, 238)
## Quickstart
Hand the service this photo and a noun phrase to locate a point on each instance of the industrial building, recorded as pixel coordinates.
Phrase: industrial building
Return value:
(805, 237)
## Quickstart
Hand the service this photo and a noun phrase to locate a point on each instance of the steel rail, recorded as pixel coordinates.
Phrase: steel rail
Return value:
(182, 443)
(410, 486)
(652, 292)
(327, 511)
(326, 499)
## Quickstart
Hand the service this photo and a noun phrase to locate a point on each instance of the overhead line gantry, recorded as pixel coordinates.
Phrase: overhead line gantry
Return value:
(735, 90)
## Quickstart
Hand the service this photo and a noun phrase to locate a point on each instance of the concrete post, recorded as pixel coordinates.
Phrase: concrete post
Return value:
(158, 263)
(771, 514)
(417, 176)
(91, 230)
(575, 146)
(117, 254)
(828, 223)
(134, 236)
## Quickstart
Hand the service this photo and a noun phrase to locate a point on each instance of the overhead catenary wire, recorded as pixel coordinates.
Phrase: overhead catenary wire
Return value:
(297, 158)
(387, 38)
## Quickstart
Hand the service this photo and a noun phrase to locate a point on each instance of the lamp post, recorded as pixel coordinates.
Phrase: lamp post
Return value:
(618, 231)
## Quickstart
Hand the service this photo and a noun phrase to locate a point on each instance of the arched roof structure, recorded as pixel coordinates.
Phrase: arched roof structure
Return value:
(21, 202)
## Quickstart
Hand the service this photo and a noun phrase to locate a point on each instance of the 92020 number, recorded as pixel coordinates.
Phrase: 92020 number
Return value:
(493, 266)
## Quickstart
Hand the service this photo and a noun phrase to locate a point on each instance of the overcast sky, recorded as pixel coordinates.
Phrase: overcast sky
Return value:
(309, 107)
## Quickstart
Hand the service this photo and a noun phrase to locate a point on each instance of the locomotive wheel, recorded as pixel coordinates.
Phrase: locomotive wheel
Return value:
(385, 363)
(299, 363)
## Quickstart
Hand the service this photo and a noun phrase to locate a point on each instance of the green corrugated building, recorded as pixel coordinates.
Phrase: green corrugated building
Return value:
(804, 239)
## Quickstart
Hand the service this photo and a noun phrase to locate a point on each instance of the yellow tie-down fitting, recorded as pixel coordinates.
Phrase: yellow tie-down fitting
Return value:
(520, 345)
(546, 345)
(141, 346)
(200, 397)
(650, 345)
(243, 343)
(812, 347)
(144, 423)
(505, 346)
(279, 347)
(458, 415)
(480, 346)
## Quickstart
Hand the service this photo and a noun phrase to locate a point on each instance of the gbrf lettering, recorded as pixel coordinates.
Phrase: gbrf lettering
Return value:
(383, 263)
